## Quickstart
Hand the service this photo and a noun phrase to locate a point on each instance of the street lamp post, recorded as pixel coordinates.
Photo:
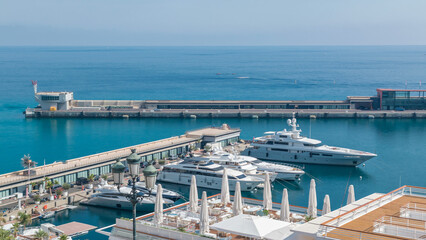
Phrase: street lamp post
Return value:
(150, 174)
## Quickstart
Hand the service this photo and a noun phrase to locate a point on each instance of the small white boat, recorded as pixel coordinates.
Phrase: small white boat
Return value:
(47, 214)
(109, 196)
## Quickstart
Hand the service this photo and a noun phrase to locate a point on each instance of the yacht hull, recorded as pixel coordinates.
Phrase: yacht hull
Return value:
(307, 158)
(122, 204)
(205, 181)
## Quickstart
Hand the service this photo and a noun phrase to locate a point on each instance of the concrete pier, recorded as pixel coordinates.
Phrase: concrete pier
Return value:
(98, 164)
(224, 113)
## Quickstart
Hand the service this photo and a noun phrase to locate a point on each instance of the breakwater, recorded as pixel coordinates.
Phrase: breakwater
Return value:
(223, 113)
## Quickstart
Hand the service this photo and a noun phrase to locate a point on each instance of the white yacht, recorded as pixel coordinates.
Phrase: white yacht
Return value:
(230, 161)
(284, 171)
(290, 146)
(108, 196)
(208, 175)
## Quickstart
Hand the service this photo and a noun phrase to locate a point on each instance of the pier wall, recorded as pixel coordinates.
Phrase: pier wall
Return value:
(224, 113)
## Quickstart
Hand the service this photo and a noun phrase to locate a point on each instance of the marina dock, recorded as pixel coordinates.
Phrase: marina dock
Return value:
(98, 164)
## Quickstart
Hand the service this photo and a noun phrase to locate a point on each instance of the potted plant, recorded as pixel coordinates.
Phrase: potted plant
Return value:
(91, 178)
(59, 193)
(49, 185)
(104, 177)
(36, 199)
(66, 187)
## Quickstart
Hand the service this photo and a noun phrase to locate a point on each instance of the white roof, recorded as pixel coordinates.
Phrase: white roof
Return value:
(250, 226)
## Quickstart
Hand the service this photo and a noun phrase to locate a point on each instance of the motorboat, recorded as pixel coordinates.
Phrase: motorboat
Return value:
(230, 161)
(208, 175)
(283, 171)
(290, 146)
(174, 196)
(111, 197)
(47, 214)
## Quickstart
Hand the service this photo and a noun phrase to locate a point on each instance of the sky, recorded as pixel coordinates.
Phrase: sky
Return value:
(212, 22)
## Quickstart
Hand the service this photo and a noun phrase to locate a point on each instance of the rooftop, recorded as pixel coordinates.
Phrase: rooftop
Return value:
(214, 131)
(400, 214)
(52, 93)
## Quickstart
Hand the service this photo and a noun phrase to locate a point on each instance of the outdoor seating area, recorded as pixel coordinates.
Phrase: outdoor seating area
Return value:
(223, 216)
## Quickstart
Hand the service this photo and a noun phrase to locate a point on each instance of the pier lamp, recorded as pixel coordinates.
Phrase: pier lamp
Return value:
(134, 161)
(150, 174)
(118, 173)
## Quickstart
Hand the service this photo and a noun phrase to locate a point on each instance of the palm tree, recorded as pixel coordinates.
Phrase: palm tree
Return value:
(91, 178)
(104, 177)
(41, 235)
(49, 186)
(2, 220)
(24, 219)
(63, 237)
(27, 162)
(5, 235)
(15, 229)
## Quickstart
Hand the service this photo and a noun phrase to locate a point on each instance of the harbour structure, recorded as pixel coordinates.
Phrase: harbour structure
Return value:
(399, 214)
(15, 183)
(63, 104)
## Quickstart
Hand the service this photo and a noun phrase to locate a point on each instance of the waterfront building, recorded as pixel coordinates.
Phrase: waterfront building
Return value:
(397, 99)
(97, 164)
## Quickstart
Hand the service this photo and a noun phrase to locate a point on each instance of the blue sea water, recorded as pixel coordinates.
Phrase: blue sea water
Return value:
(275, 73)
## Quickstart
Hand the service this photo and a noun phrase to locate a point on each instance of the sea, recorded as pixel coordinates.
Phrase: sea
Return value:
(215, 73)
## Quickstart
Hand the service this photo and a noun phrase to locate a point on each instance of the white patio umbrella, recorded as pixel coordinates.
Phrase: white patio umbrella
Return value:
(237, 206)
(158, 212)
(224, 195)
(351, 195)
(267, 194)
(312, 207)
(193, 196)
(204, 215)
(40, 188)
(326, 207)
(285, 207)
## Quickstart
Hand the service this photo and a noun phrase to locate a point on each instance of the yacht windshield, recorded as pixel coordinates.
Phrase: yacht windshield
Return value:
(240, 176)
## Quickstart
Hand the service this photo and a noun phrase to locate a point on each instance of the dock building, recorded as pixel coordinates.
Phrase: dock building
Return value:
(98, 164)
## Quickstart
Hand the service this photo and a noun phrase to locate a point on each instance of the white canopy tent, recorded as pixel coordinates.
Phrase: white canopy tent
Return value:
(250, 226)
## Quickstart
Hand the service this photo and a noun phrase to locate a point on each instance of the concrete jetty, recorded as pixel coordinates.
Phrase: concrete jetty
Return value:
(224, 113)
(98, 164)
(388, 103)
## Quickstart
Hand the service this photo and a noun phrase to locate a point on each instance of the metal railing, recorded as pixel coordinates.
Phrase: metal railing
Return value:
(333, 227)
